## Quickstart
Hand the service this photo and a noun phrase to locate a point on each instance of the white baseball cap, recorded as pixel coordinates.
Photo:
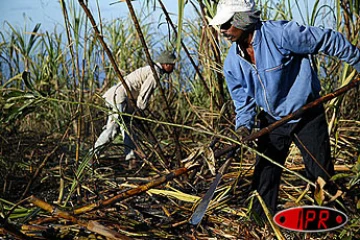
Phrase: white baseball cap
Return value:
(227, 8)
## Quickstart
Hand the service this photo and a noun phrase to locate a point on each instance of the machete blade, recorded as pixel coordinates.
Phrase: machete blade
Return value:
(201, 208)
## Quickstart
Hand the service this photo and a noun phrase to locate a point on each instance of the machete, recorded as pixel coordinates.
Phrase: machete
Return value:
(204, 203)
(201, 208)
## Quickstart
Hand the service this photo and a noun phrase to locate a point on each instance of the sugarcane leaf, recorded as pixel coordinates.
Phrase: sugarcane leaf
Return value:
(33, 38)
(26, 78)
(181, 6)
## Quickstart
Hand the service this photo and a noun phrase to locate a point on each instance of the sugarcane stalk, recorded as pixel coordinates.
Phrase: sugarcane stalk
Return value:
(38, 171)
(135, 191)
(276, 229)
(10, 229)
(106, 48)
(90, 225)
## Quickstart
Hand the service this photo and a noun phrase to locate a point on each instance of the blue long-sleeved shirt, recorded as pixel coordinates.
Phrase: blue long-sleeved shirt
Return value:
(282, 80)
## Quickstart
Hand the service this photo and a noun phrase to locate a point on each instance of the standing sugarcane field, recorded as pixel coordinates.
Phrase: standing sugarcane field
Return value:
(216, 119)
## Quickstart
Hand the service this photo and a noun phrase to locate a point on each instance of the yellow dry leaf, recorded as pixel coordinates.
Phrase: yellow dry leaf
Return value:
(210, 160)
(319, 193)
(175, 194)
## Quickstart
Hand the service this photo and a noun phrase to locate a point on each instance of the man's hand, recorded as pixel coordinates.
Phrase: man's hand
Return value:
(242, 132)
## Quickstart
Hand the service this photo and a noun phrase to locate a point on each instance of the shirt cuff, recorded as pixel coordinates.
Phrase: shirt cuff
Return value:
(357, 67)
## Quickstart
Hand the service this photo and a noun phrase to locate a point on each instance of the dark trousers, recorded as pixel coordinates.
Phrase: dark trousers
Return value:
(312, 131)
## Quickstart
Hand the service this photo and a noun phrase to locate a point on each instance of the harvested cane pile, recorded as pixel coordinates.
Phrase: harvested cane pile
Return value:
(47, 196)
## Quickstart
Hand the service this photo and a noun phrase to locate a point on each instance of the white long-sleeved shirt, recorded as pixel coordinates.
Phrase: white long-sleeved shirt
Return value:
(141, 83)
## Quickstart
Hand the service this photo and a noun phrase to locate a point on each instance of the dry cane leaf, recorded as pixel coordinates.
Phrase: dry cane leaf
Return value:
(290, 204)
(319, 193)
(338, 194)
(192, 158)
(210, 160)
(104, 231)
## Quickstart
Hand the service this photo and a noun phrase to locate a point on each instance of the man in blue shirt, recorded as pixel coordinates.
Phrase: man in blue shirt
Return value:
(269, 66)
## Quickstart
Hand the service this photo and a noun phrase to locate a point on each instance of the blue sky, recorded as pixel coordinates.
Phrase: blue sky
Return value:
(49, 14)
(21, 13)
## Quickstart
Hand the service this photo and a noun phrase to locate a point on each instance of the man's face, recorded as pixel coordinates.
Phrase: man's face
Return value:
(230, 32)
(168, 67)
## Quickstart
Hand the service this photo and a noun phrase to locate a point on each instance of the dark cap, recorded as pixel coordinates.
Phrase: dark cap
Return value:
(166, 57)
